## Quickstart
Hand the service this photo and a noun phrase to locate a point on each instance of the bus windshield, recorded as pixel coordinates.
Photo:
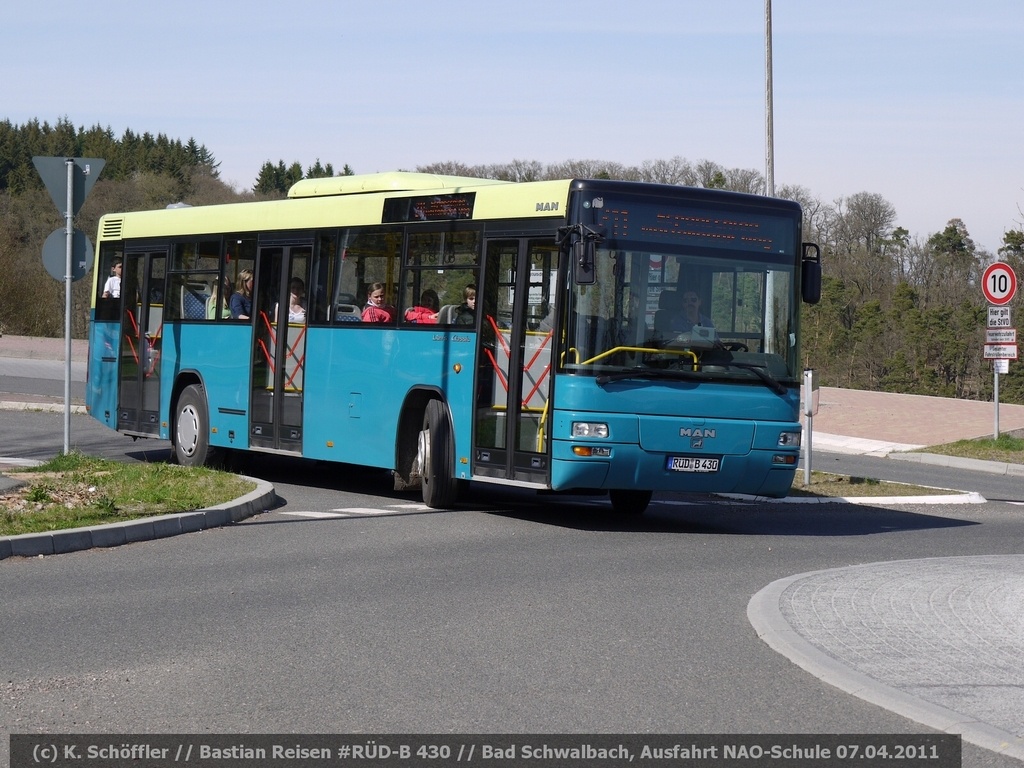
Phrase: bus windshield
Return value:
(686, 293)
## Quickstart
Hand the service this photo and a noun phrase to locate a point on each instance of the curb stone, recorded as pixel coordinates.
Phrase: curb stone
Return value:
(144, 529)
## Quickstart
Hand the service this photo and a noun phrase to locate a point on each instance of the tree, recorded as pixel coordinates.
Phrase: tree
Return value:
(956, 272)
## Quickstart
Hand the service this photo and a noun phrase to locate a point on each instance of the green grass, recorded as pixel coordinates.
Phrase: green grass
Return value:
(1006, 448)
(828, 484)
(74, 490)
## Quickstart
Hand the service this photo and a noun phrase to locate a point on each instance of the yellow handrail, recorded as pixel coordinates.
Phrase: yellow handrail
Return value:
(616, 350)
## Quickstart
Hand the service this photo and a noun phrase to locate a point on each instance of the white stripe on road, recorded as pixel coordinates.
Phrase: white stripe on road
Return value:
(391, 509)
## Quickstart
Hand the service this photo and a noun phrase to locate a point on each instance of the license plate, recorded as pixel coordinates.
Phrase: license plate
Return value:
(692, 464)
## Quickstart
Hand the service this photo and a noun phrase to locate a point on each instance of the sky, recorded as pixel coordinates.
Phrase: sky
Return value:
(919, 101)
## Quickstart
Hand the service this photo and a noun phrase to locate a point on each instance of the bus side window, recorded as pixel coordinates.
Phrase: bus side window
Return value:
(108, 286)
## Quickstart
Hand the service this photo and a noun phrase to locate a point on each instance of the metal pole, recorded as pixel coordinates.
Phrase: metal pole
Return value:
(769, 169)
(995, 388)
(807, 451)
(807, 400)
(769, 131)
(69, 229)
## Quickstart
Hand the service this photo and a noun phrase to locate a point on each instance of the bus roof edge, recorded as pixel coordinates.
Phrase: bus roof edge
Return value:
(393, 181)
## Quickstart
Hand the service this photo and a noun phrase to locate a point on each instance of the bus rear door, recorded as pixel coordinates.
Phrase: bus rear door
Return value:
(279, 356)
(138, 391)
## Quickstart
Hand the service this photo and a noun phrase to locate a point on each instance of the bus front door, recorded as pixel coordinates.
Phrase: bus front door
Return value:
(513, 386)
(279, 357)
(142, 304)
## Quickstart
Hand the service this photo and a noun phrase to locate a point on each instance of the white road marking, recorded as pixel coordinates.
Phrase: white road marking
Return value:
(342, 512)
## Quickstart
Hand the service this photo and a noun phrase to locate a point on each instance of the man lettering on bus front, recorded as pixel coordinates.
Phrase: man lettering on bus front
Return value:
(376, 311)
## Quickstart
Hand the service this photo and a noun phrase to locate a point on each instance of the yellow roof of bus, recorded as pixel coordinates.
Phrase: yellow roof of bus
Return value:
(339, 201)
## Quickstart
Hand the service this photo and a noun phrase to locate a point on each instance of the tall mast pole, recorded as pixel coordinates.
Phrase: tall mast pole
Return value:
(769, 138)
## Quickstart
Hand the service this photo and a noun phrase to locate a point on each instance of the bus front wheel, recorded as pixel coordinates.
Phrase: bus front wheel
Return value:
(435, 450)
(192, 428)
(627, 502)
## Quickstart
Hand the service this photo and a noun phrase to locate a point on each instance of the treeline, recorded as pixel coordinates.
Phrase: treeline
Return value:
(126, 156)
(898, 313)
(142, 171)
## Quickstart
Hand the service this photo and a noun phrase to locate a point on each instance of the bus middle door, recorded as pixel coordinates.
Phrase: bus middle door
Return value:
(514, 377)
(279, 358)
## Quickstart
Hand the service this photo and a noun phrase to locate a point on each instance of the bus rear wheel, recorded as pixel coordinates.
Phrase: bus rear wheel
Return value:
(629, 502)
(192, 428)
(435, 449)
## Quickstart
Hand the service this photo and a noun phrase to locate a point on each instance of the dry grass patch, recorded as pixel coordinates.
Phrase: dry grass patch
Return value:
(73, 490)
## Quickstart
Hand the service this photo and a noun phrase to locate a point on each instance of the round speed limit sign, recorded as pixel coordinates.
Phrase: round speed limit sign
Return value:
(999, 283)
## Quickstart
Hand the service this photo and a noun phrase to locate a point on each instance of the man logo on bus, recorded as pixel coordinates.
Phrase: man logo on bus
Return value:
(547, 206)
(698, 432)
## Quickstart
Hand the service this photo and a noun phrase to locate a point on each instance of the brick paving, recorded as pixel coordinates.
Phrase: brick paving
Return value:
(910, 419)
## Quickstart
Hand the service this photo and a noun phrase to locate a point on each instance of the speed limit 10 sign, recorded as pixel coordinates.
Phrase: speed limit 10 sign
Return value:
(999, 283)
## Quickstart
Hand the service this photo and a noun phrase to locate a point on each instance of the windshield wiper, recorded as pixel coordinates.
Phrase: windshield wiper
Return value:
(760, 371)
(764, 375)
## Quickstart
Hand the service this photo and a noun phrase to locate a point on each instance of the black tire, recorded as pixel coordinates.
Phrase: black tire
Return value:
(440, 488)
(630, 503)
(192, 428)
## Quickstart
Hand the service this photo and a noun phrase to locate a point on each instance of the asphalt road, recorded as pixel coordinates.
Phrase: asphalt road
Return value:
(350, 609)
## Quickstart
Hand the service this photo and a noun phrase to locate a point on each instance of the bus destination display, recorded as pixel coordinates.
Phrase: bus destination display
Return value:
(706, 228)
(429, 208)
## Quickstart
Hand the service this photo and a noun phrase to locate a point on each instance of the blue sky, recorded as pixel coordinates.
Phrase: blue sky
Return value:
(919, 101)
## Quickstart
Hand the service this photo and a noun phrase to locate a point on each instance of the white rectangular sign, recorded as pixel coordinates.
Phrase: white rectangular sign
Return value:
(1000, 352)
(999, 317)
(1001, 336)
(1001, 366)
(810, 392)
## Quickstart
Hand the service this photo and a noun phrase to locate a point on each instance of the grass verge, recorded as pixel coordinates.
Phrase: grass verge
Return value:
(1006, 448)
(73, 490)
(828, 484)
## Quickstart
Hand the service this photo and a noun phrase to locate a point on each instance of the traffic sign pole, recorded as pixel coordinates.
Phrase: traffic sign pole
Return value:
(69, 188)
(995, 399)
(999, 284)
(69, 228)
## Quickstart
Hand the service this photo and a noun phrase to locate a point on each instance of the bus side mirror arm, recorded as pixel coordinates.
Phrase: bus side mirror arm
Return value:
(810, 273)
(583, 255)
(583, 250)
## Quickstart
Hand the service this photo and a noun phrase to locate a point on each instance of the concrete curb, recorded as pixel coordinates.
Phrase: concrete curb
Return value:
(18, 405)
(948, 498)
(975, 465)
(144, 529)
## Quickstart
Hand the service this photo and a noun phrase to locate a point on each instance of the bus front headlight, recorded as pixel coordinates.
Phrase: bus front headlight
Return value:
(589, 429)
(789, 440)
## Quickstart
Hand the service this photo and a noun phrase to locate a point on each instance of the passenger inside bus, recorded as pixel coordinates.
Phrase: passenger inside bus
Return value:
(466, 314)
(296, 302)
(376, 311)
(427, 310)
(222, 296)
(241, 300)
(112, 288)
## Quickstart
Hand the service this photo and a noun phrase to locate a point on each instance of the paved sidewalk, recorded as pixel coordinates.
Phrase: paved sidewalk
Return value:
(33, 348)
(882, 423)
(937, 640)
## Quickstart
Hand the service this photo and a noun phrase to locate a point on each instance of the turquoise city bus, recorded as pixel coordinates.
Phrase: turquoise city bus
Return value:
(625, 337)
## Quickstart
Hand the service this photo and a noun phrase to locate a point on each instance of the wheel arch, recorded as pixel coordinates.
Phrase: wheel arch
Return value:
(184, 379)
(410, 422)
